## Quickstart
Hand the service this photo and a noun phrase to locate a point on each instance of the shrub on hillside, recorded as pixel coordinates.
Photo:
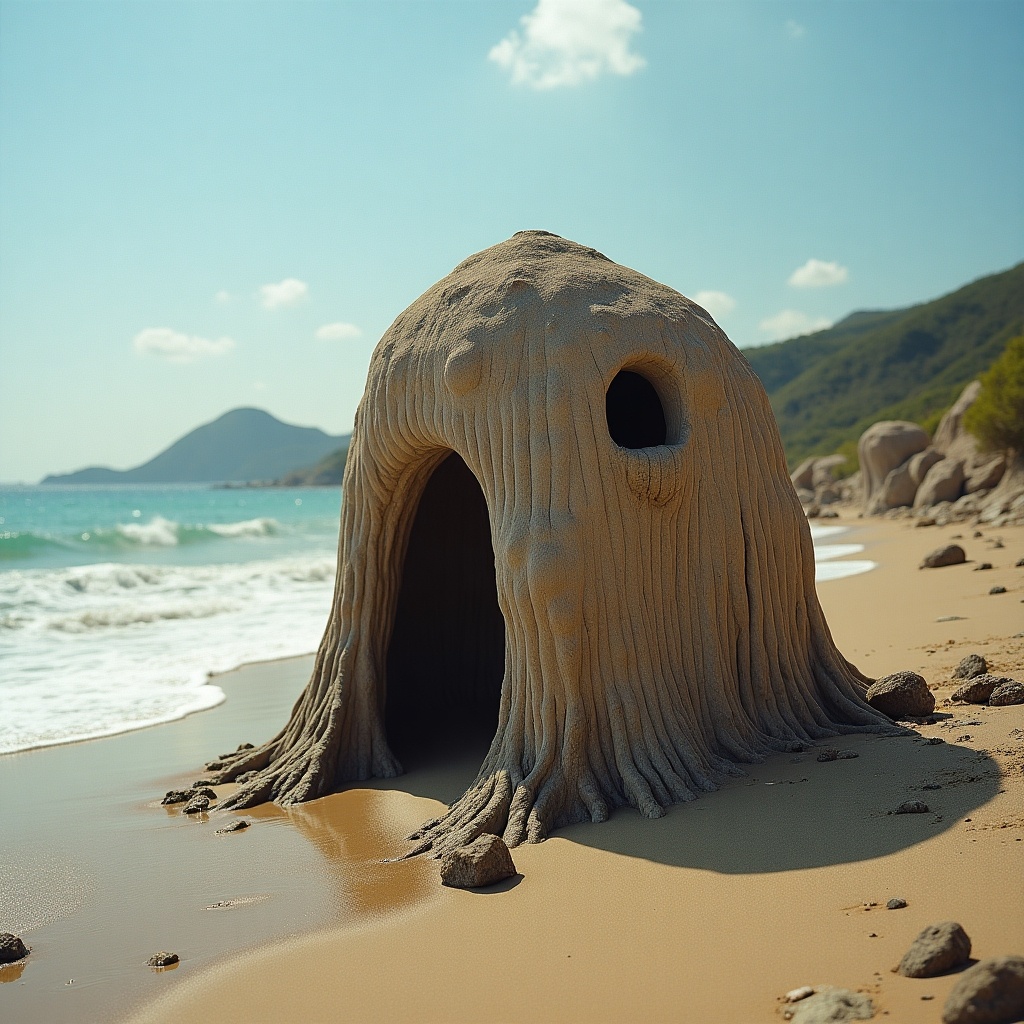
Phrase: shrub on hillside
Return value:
(996, 418)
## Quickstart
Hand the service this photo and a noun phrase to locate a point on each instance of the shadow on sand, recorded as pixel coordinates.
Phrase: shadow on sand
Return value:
(790, 812)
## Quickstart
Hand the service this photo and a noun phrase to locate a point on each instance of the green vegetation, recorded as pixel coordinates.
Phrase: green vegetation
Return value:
(327, 472)
(996, 418)
(827, 388)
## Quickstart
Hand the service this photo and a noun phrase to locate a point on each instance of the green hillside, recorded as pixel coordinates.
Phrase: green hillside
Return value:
(827, 388)
(242, 445)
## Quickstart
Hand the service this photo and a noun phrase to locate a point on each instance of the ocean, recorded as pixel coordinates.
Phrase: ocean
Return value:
(118, 603)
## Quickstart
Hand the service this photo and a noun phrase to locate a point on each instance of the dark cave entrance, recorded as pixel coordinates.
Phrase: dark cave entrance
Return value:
(636, 418)
(446, 659)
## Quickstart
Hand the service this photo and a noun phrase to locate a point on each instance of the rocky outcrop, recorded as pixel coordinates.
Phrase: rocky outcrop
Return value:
(978, 689)
(990, 992)
(939, 948)
(484, 861)
(919, 464)
(950, 436)
(901, 695)
(815, 479)
(883, 447)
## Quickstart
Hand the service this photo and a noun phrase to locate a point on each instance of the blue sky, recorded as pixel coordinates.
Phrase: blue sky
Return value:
(191, 192)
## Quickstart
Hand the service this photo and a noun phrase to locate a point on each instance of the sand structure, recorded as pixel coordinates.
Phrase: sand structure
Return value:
(568, 527)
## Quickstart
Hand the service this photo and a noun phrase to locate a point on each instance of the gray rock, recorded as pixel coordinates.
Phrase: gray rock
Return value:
(943, 482)
(833, 1006)
(162, 959)
(912, 807)
(11, 948)
(997, 590)
(901, 695)
(978, 689)
(983, 566)
(949, 554)
(236, 826)
(484, 861)
(971, 666)
(938, 949)
(896, 903)
(1019, 564)
(1008, 692)
(990, 992)
(196, 805)
(176, 796)
(982, 474)
(828, 754)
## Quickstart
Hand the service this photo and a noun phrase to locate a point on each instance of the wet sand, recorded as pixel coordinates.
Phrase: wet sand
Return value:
(709, 913)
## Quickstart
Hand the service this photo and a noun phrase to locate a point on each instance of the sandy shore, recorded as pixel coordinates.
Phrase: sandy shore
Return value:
(708, 914)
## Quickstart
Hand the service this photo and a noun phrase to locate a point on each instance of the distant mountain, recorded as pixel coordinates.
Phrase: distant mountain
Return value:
(827, 388)
(326, 473)
(242, 445)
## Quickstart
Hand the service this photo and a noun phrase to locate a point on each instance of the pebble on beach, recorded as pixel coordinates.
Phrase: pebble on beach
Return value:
(896, 903)
(11, 948)
(912, 807)
(162, 959)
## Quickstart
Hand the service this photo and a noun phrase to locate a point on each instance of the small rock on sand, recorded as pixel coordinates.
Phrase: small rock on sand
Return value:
(949, 554)
(196, 805)
(912, 807)
(484, 861)
(796, 994)
(983, 567)
(971, 666)
(901, 695)
(997, 590)
(939, 948)
(176, 796)
(833, 1006)
(162, 959)
(978, 689)
(1008, 692)
(990, 992)
(828, 754)
(235, 826)
(896, 903)
(11, 948)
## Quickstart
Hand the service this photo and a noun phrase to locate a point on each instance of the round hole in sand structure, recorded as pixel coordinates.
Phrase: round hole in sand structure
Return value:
(636, 418)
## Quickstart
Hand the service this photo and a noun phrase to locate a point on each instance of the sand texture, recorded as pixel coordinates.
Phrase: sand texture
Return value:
(651, 621)
(712, 913)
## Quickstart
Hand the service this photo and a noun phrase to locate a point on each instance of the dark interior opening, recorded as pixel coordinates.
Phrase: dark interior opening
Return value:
(636, 418)
(446, 659)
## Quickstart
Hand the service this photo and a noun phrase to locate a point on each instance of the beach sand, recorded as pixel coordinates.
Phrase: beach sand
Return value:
(709, 914)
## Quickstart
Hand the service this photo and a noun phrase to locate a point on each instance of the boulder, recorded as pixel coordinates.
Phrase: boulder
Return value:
(176, 796)
(882, 448)
(162, 959)
(196, 805)
(919, 464)
(824, 471)
(803, 475)
(939, 948)
(971, 666)
(484, 861)
(983, 473)
(978, 689)
(950, 436)
(901, 695)
(990, 992)
(11, 948)
(1008, 692)
(943, 482)
(950, 554)
(897, 491)
(833, 1006)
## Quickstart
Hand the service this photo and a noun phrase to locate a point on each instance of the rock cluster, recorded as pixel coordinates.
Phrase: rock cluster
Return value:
(985, 688)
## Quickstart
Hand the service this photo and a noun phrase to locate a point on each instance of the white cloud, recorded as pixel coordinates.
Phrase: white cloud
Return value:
(718, 304)
(176, 347)
(285, 293)
(795, 30)
(791, 322)
(566, 42)
(223, 297)
(337, 332)
(818, 274)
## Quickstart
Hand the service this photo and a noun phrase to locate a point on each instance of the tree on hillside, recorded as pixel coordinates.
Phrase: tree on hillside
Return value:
(996, 418)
